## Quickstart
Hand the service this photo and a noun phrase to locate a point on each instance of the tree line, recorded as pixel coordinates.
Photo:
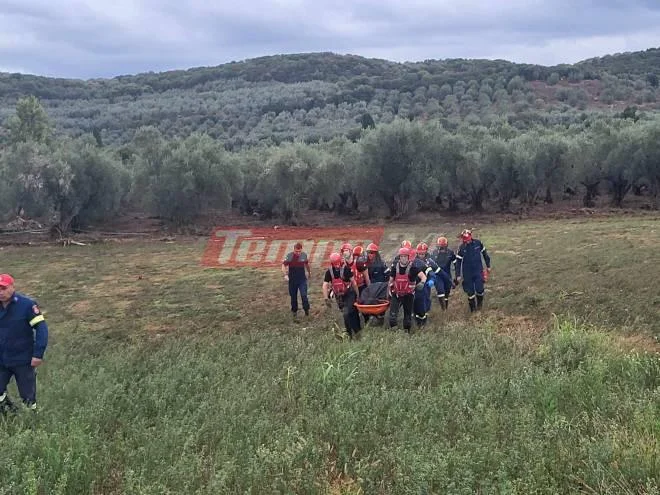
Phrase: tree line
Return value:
(392, 169)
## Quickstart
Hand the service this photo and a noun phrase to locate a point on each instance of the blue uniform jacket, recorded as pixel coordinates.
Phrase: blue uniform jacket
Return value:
(378, 270)
(468, 259)
(444, 257)
(23, 332)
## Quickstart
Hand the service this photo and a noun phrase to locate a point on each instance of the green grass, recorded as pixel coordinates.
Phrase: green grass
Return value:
(193, 380)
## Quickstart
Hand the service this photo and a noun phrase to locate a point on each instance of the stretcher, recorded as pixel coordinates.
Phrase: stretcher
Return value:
(373, 309)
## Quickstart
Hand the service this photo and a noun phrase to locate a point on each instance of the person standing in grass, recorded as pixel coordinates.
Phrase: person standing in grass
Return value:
(296, 270)
(404, 275)
(339, 281)
(469, 269)
(444, 257)
(23, 341)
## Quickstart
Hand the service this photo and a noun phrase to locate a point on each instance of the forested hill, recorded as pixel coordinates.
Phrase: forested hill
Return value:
(320, 95)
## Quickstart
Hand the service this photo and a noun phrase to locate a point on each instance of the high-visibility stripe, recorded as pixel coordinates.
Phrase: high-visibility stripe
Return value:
(36, 319)
(3, 397)
(459, 257)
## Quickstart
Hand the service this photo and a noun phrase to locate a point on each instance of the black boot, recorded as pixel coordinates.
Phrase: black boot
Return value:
(480, 301)
(441, 302)
(446, 303)
(473, 305)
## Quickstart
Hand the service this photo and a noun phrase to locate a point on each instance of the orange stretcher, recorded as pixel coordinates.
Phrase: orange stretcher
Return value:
(373, 309)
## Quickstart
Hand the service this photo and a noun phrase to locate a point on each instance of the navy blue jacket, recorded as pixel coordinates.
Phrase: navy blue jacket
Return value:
(23, 332)
(444, 257)
(378, 270)
(468, 259)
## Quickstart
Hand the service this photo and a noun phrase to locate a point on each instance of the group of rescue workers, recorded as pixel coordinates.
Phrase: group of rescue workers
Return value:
(356, 275)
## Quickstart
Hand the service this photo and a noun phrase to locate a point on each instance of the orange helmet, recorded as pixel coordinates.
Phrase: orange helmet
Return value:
(442, 241)
(372, 247)
(466, 235)
(406, 244)
(335, 259)
(358, 250)
(422, 247)
(407, 252)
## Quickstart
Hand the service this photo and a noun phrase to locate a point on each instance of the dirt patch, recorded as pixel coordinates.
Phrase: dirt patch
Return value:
(339, 482)
(81, 307)
(527, 332)
(641, 343)
(155, 329)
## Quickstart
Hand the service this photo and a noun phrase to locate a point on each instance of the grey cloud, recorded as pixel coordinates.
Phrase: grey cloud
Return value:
(80, 38)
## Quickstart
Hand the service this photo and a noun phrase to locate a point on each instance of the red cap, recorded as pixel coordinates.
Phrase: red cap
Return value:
(6, 280)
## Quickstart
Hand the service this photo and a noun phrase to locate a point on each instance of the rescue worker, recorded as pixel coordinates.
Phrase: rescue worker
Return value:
(358, 265)
(404, 244)
(346, 252)
(378, 272)
(422, 300)
(404, 275)
(469, 269)
(339, 281)
(444, 258)
(294, 266)
(23, 341)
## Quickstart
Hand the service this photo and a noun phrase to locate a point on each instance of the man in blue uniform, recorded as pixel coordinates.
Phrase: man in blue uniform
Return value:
(293, 267)
(23, 341)
(469, 269)
(422, 303)
(444, 257)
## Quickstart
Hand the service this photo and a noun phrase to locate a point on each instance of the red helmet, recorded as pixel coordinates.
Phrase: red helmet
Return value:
(442, 241)
(372, 247)
(422, 247)
(404, 251)
(346, 246)
(358, 250)
(406, 244)
(335, 259)
(466, 235)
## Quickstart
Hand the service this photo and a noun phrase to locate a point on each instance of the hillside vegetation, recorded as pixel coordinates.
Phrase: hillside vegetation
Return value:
(318, 96)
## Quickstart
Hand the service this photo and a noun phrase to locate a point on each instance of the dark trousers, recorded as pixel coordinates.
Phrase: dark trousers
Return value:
(366, 317)
(406, 302)
(421, 304)
(351, 314)
(26, 381)
(294, 287)
(443, 285)
(474, 284)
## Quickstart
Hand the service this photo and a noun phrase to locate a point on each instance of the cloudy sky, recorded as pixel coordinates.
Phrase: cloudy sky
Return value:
(98, 38)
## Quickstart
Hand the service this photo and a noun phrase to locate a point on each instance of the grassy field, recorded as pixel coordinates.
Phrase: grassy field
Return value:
(163, 376)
